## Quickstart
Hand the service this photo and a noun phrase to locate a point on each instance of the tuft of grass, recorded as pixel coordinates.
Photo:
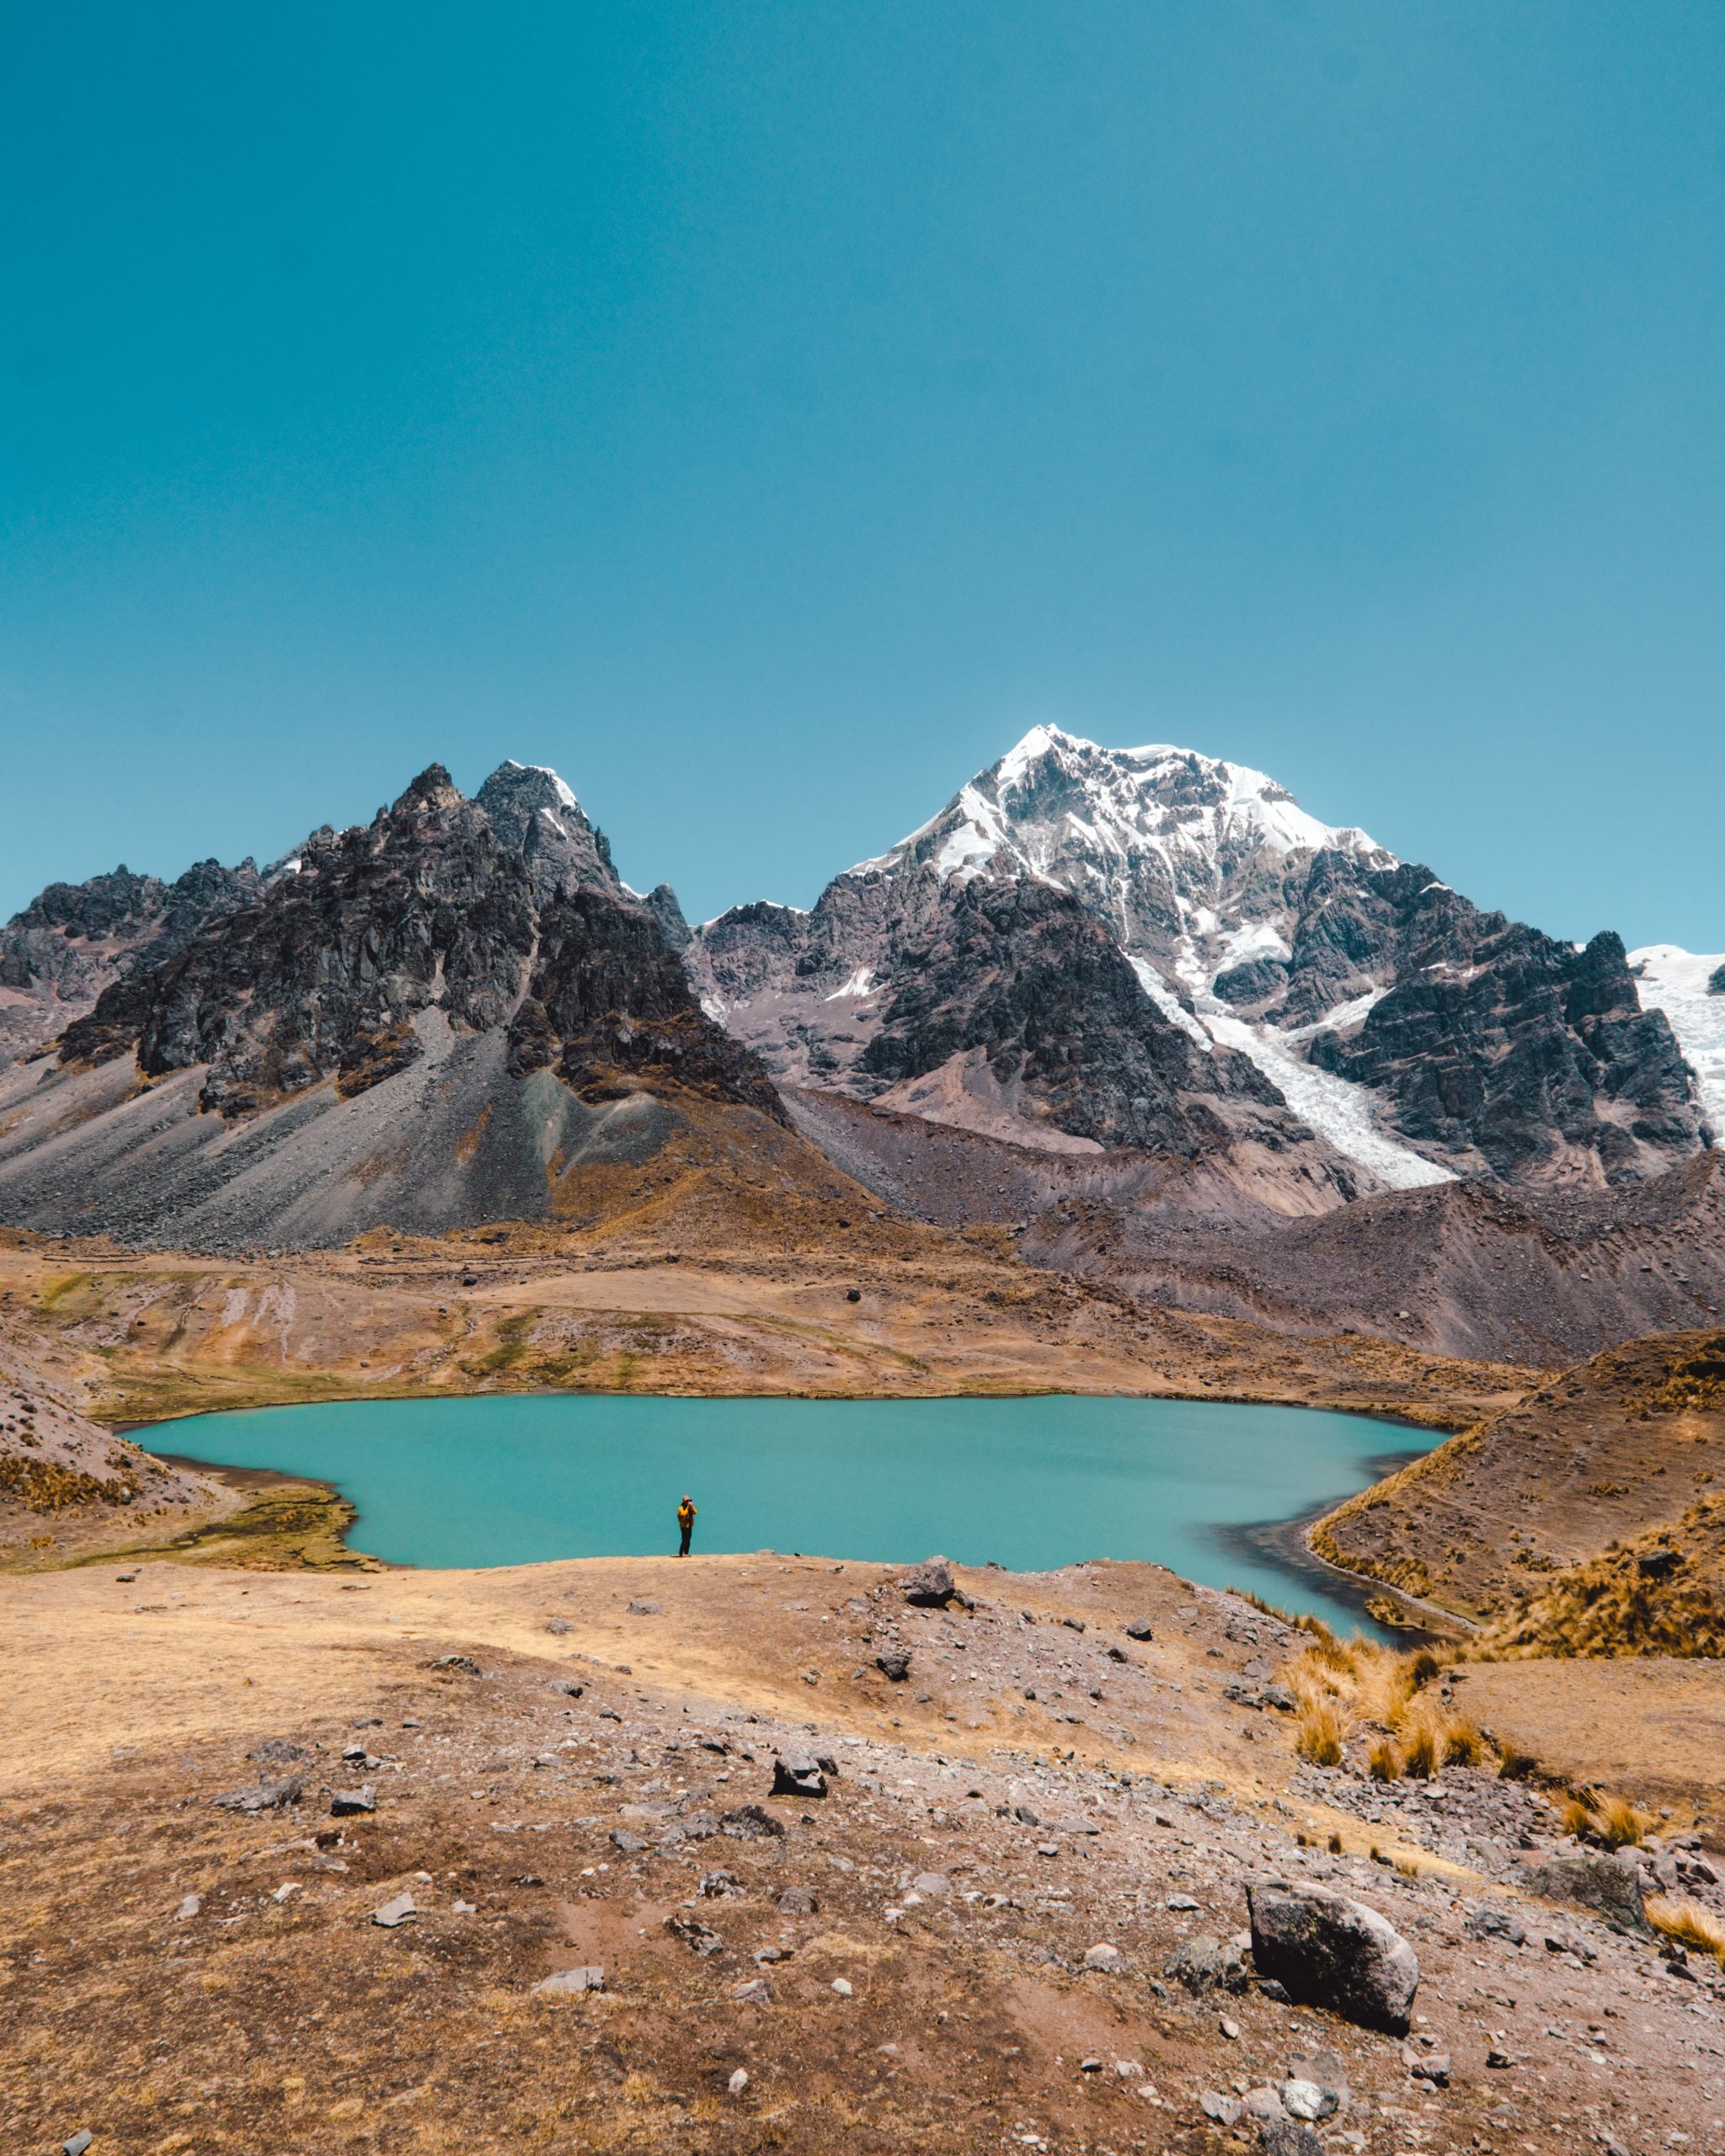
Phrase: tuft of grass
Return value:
(1577, 1818)
(1407, 1868)
(1619, 1825)
(1424, 1668)
(1419, 1756)
(1318, 1733)
(1688, 1924)
(1335, 1845)
(1515, 1765)
(1463, 1745)
(1384, 1762)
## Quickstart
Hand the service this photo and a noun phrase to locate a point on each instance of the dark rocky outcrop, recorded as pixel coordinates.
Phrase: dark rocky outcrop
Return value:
(74, 940)
(1608, 1886)
(1494, 1043)
(517, 923)
(1327, 1950)
(429, 1021)
(1715, 981)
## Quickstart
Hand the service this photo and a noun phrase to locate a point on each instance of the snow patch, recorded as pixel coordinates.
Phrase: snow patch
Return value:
(1675, 980)
(861, 983)
(1165, 999)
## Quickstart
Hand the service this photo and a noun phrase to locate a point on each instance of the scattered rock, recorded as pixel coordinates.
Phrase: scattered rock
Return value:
(278, 1752)
(1226, 2110)
(930, 1585)
(461, 1665)
(350, 1803)
(894, 1663)
(570, 1691)
(627, 1843)
(1108, 1958)
(1308, 2099)
(566, 1980)
(1286, 2137)
(716, 1884)
(1604, 1884)
(557, 1625)
(1498, 2059)
(1330, 1951)
(797, 1775)
(757, 1992)
(1493, 1923)
(645, 1610)
(750, 1823)
(1433, 2067)
(1183, 1901)
(262, 1796)
(76, 2144)
(1204, 1964)
(738, 2081)
(399, 1910)
(698, 1937)
(797, 1901)
(1138, 1629)
(188, 1909)
(842, 1986)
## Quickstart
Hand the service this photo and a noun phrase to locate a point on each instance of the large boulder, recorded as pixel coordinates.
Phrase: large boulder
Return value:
(930, 1585)
(1606, 1885)
(1327, 1950)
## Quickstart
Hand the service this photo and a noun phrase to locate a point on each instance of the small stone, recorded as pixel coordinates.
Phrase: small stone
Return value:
(1047, 1849)
(1090, 2066)
(1230, 2029)
(1138, 1629)
(629, 1844)
(262, 1796)
(557, 1625)
(1435, 2068)
(931, 1884)
(573, 1980)
(1226, 2110)
(696, 1937)
(1286, 2137)
(797, 1775)
(750, 1823)
(714, 1885)
(1183, 1901)
(350, 1803)
(645, 1610)
(76, 2144)
(894, 1663)
(461, 1665)
(188, 1909)
(1105, 1957)
(738, 2081)
(1495, 2058)
(758, 1991)
(1305, 2100)
(400, 1910)
(841, 1985)
(797, 1901)
(930, 1585)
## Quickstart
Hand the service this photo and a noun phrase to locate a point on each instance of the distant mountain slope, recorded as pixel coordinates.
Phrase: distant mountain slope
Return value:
(427, 1021)
(1416, 1037)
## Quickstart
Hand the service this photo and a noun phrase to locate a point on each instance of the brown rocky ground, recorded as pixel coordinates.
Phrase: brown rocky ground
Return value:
(1534, 1505)
(181, 1977)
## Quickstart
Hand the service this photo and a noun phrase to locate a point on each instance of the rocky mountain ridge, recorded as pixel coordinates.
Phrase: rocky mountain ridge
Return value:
(1418, 1037)
(426, 1020)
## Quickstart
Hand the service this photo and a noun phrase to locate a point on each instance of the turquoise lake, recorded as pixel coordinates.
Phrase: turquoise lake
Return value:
(1033, 1484)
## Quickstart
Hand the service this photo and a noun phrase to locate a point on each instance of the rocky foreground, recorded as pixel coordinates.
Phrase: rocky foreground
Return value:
(765, 1853)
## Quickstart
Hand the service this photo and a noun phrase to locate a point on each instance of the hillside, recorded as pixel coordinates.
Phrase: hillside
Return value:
(1583, 1518)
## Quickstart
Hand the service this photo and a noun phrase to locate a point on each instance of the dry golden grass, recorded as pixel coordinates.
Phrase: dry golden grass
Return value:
(1619, 1825)
(1384, 1762)
(1463, 1745)
(1318, 1733)
(1419, 1755)
(1515, 1765)
(1688, 1924)
(1576, 1819)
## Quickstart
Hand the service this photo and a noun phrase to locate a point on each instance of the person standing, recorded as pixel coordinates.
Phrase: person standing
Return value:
(685, 1522)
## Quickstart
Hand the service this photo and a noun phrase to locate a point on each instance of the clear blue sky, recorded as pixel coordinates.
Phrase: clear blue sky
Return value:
(764, 414)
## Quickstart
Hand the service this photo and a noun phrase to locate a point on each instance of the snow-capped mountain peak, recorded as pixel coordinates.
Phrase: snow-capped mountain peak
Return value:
(1167, 843)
